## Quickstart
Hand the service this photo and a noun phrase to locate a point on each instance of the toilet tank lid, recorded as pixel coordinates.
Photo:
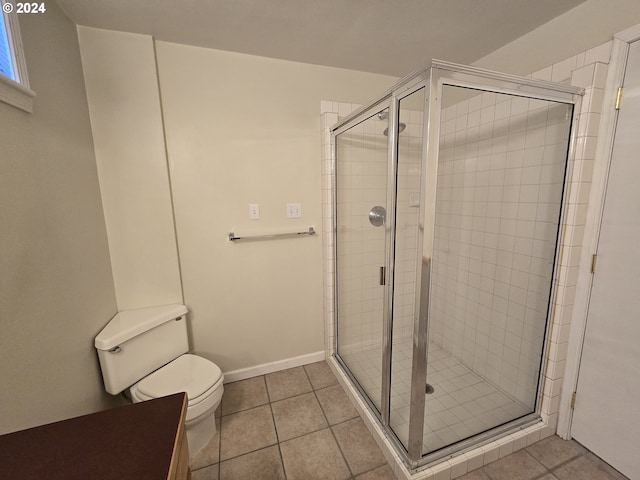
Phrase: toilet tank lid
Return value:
(130, 323)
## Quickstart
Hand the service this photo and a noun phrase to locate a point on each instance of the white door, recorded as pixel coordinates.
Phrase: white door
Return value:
(607, 413)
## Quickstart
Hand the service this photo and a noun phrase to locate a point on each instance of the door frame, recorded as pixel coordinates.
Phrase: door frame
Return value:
(603, 156)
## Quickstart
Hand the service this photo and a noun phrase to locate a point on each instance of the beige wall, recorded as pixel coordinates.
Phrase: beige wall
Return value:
(122, 91)
(244, 129)
(239, 129)
(56, 288)
(588, 25)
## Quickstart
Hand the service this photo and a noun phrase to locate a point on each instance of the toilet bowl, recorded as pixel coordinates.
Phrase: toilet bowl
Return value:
(144, 352)
(202, 381)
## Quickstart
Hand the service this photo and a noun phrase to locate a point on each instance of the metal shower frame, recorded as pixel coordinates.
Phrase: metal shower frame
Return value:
(433, 78)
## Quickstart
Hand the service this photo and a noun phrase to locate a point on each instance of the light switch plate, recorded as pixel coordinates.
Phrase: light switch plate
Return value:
(294, 210)
(254, 211)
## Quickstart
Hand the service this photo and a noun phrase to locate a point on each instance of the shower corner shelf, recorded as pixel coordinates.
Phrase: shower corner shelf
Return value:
(234, 238)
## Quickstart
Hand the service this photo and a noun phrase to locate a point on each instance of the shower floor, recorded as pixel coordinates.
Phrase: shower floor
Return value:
(463, 404)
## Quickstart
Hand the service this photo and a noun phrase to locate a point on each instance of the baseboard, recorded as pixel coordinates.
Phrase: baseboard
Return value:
(249, 372)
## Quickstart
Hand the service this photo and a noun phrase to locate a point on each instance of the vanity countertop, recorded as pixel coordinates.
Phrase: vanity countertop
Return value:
(142, 441)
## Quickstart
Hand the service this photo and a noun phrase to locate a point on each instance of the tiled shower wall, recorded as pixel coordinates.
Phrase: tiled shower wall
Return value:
(500, 178)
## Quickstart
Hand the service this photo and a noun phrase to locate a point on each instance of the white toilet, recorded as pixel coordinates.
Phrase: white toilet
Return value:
(145, 351)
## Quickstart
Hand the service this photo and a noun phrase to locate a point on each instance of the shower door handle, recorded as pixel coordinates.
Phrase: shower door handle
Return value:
(383, 275)
(377, 216)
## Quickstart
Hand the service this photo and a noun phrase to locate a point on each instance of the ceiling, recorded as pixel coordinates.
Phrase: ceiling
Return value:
(390, 37)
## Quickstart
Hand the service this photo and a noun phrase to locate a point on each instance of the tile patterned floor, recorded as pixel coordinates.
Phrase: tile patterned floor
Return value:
(289, 425)
(299, 424)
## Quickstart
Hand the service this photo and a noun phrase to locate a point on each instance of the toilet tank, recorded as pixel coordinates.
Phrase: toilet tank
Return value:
(137, 342)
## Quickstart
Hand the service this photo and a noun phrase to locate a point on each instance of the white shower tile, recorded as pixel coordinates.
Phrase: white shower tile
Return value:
(530, 175)
(325, 106)
(562, 70)
(589, 128)
(503, 110)
(535, 138)
(600, 77)
(593, 99)
(487, 115)
(583, 77)
(475, 103)
(491, 453)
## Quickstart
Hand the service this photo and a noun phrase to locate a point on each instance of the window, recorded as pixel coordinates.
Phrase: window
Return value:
(14, 83)
(6, 61)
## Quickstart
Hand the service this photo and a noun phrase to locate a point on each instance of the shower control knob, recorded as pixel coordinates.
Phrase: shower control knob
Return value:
(377, 216)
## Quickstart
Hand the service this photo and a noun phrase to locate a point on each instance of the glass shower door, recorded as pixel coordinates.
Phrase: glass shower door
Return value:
(360, 215)
(500, 177)
(409, 146)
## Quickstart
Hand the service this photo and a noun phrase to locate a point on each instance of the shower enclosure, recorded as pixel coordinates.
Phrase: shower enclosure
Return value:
(447, 196)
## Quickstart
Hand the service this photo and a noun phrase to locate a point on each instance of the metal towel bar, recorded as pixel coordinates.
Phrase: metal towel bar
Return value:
(233, 238)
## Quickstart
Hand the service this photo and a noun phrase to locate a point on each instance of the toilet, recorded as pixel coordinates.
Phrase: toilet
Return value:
(144, 352)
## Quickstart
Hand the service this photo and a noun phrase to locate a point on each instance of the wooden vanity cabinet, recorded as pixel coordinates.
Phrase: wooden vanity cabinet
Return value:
(143, 441)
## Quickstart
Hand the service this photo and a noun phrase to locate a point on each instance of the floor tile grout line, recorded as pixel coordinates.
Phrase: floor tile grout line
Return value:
(220, 447)
(275, 428)
(551, 470)
(313, 391)
(566, 462)
(243, 454)
(318, 400)
(353, 476)
(284, 469)
(220, 460)
(335, 439)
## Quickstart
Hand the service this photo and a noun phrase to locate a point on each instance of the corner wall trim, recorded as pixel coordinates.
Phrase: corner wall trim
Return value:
(262, 369)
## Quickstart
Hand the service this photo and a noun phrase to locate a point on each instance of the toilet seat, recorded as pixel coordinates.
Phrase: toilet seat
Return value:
(198, 377)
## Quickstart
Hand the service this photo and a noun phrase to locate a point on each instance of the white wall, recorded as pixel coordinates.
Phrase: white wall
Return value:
(126, 119)
(239, 129)
(56, 287)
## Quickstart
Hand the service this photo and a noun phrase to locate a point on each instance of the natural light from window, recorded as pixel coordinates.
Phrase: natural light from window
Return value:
(6, 62)
(14, 82)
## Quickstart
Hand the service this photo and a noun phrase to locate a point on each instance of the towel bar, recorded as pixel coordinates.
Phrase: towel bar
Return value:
(233, 238)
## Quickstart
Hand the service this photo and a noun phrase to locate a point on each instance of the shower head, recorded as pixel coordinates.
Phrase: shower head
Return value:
(401, 127)
(383, 115)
